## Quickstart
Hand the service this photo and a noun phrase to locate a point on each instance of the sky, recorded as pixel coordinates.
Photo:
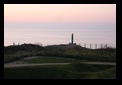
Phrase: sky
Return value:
(51, 24)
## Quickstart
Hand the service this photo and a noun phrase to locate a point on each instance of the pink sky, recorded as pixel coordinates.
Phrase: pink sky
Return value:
(54, 23)
(59, 12)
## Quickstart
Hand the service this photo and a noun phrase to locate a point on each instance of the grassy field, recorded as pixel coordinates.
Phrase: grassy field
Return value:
(13, 53)
(72, 71)
(56, 54)
(45, 59)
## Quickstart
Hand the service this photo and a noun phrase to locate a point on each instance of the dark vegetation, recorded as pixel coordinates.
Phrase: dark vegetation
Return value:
(47, 59)
(17, 52)
(72, 71)
(59, 54)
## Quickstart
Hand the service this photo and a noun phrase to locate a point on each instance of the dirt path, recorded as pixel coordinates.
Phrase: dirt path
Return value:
(103, 63)
(21, 65)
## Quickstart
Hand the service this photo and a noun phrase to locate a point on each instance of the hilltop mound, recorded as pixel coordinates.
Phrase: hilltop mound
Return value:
(66, 51)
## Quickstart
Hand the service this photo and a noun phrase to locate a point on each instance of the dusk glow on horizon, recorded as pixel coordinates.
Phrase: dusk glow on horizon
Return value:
(53, 23)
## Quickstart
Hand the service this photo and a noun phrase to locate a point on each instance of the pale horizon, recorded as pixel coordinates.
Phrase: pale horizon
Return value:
(51, 24)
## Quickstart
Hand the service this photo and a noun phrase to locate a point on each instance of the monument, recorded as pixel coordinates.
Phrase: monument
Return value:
(72, 38)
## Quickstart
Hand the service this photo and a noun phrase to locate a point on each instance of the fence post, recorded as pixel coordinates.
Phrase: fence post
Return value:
(95, 46)
(90, 45)
(101, 46)
(85, 45)
(13, 44)
(106, 46)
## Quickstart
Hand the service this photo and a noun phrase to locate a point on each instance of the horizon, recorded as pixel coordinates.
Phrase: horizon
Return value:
(51, 24)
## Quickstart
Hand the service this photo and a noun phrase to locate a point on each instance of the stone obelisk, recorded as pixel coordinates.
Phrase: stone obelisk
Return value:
(72, 38)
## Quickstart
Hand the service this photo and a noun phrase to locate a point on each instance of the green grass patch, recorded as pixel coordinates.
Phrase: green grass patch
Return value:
(77, 52)
(46, 59)
(72, 71)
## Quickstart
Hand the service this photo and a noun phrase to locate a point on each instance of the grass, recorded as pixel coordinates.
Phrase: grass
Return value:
(28, 50)
(15, 57)
(74, 55)
(72, 71)
(46, 59)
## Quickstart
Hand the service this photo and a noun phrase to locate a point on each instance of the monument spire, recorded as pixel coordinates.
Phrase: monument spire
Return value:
(72, 38)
